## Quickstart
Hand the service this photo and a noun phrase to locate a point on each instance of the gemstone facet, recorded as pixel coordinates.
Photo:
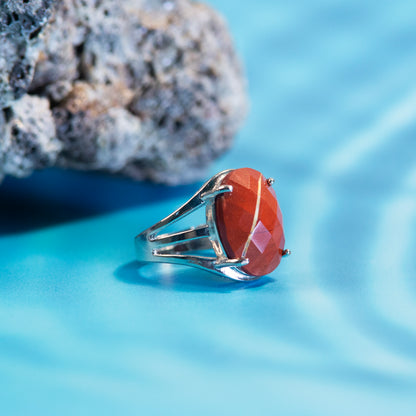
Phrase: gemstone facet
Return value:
(249, 221)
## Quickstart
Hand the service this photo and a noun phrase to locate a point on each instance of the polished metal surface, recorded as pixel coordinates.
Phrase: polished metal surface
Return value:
(176, 247)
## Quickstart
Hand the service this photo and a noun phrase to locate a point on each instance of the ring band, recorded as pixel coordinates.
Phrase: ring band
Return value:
(243, 229)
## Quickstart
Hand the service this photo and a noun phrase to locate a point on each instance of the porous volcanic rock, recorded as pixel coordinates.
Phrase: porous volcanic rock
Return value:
(151, 89)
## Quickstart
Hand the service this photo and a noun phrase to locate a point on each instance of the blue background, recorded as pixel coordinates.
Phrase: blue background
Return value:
(331, 331)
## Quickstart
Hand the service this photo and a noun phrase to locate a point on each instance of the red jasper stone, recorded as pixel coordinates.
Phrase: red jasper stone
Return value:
(249, 221)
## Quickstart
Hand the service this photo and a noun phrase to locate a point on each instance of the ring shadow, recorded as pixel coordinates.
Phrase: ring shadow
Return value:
(181, 278)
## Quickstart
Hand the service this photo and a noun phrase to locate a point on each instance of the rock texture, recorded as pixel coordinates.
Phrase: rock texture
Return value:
(151, 89)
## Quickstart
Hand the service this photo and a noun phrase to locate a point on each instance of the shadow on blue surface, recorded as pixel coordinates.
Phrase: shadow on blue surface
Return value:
(184, 279)
(55, 196)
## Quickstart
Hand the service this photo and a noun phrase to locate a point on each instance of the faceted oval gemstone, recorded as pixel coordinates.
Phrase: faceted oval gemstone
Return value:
(249, 221)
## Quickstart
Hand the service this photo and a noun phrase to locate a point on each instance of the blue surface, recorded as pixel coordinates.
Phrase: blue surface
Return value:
(332, 331)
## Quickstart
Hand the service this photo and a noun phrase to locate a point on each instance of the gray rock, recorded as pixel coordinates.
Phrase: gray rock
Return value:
(28, 137)
(148, 88)
(21, 23)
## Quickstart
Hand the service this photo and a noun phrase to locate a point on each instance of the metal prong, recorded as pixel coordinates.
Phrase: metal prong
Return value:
(220, 190)
(270, 181)
(286, 252)
(231, 263)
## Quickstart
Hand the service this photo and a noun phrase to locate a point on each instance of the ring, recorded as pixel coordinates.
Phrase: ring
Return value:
(242, 238)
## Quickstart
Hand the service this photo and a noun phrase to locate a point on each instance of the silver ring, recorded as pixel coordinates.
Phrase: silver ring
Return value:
(250, 237)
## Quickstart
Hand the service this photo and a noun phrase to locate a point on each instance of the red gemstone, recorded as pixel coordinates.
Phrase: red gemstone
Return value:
(249, 221)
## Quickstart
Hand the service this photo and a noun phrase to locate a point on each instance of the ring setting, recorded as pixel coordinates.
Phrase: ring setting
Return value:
(243, 234)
